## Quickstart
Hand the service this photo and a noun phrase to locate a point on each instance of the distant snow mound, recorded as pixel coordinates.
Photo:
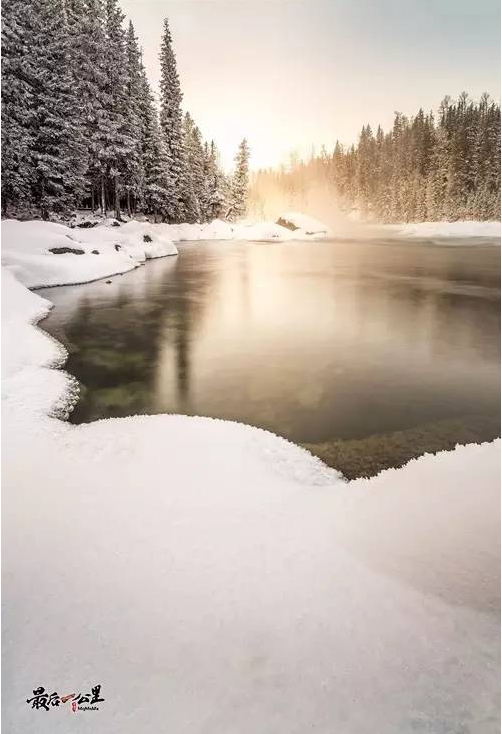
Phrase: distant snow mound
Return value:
(448, 229)
(296, 221)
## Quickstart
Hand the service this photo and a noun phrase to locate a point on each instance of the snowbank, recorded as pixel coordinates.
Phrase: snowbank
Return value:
(448, 229)
(48, 253)
(212, 577)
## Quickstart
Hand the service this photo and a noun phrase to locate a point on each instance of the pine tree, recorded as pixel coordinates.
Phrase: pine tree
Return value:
(134, 174)
(215, 186)
(90, 78)
(170, 125)
(193, 165)
(18, 119)
(154, 159)
(196, 166)
(58, 147)
(240, 182)
(120, 142)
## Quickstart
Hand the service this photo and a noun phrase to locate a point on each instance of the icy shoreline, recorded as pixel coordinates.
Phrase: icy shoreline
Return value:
(245, 586)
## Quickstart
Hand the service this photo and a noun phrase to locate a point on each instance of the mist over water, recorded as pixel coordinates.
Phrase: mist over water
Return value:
(268, 201)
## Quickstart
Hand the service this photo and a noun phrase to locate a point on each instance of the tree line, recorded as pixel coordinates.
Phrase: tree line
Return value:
(426, 168)
(81, 127)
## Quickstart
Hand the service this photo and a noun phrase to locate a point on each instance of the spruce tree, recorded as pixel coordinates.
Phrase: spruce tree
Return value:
(120, 143)
(58, 146)
(240, 182)
(157, 187)
(134, 175)
(89, 65)
(170, 125)
(214, 186)
(18, 117)
(192, 191)
(196, 164)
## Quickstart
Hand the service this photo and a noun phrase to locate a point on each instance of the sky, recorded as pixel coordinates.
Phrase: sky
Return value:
(292, 74)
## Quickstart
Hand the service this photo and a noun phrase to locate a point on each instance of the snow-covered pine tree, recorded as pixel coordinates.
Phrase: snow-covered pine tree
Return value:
(58, 147)
(134, 172)
(90, 78)
(121, 144)
(240, 182)
(158, 185)
(18, 119)
(197, 165)
(170, 125)
(492, 180)
(204, 202)
(193, 172)
(365, 169)
(214, 187)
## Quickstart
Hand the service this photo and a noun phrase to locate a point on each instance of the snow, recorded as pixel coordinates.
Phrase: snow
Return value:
(448, 229)
(107, 250)
(215, 578)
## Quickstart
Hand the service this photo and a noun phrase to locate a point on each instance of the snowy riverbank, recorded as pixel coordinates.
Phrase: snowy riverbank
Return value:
(50, 253)
(239, 585)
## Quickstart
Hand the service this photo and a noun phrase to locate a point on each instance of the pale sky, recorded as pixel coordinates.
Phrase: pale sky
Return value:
(289, 74)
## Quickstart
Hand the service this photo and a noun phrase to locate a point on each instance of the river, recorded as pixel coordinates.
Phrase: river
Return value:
(369, 352)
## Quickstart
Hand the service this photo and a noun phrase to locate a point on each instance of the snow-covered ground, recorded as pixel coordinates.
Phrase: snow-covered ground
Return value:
(214, 578)
(79, 255)
(448, 229)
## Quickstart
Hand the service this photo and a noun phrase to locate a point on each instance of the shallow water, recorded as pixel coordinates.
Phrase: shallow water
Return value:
(369, 352)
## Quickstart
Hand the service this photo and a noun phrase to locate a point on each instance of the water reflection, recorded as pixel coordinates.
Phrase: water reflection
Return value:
(320, 342)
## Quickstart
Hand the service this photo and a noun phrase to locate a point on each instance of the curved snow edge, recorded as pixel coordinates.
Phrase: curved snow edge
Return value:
(35, 387)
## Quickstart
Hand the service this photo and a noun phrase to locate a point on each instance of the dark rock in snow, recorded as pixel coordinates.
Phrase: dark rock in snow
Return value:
(108, 281)
(66, 250)
(95, 252)
(87, 225)
(147, 238)
(118, 247)
(289, 225)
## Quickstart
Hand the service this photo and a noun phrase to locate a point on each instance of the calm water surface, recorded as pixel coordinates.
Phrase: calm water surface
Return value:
(369, 352)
